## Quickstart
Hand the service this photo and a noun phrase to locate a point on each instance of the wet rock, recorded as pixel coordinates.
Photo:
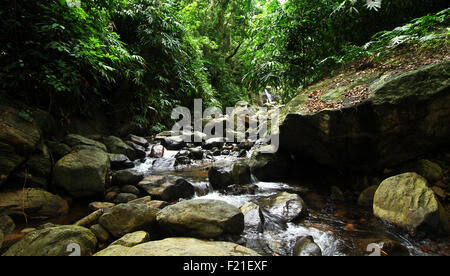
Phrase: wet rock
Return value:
(378, 133)
(241, 173)
(173, 142)
(215, 151)
(117, 146)
(366, 196)
(130, 189)
(284, 206)
(180, 247)
(406, 201)
(138, 140)
(126, 177)
(306, 246)
(196, 153)
(252, 217)
(124, 198)
(120, 161)
(157, 151)
(100, 232)
(94, 206)
(55, 241)
(132, 239)
(138, 150)
(246, 145)
(38, 204)
(201, 219)
(182, 160)
(220, 174)
(38, 167)
(167, 188)
(77, 140)
(7, 225)
(214, 143)
(158, 204)
(82, 173)
(267, 166)
(247, 189)
(109, 197)
(126, 218)
(225, 152)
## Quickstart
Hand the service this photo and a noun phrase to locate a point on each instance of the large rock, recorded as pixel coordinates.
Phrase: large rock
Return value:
(138, 140)
(173, 142)
(55, 241)
(220, 174)
(201, 219)
(132, 239)
(125, 177)
(19, 136)
(306, 246)
(117, 146)
(405, 116)
(283, 206)
(179, 247)
(37, 204)
(82, 173)
(7, 225)
(126, 218)
(120, 161)
(167, 188)
(74, 140)
(406, 201)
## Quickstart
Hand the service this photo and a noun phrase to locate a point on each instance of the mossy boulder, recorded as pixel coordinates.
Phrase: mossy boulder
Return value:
(180, 247)
(74, 140)
(201, 218)
(35, 203)
(118, 146)
(406, 201)
(55, 241)
(82, 173)
(405, 115)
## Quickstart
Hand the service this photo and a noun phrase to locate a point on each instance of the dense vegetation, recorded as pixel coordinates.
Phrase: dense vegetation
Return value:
(141, 58)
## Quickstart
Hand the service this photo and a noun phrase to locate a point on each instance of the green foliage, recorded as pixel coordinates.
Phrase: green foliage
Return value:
(55, 55)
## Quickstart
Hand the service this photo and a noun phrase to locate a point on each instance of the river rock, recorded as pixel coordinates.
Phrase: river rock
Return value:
(196, 153)
(126, 177)
(55, 241)
(138, 140)
(173, 142)
(247, 189)
(130, 189)
(126, 218)
(100, 232)
(117, 146)
(120, 161)
(90, 219)
(268, 166)
(132, 239)
(82, 173)
(366, 196)
(157, 151)
(179, 247)
(201, 219)
(406, 201)
(138, 150)
(38, 204)
(241, 173)
(211, 143)
(39, 167)
(220, 174)
(306, 246)
(380, 132)
(252, 217)
(19, 136)
(283, 206)
(77, 140)
(167, 188)
(58, 150)
(124, 198)
(428, 169)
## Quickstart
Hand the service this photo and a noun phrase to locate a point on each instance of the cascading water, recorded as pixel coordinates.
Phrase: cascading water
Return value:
(332, 232)
(269, 96)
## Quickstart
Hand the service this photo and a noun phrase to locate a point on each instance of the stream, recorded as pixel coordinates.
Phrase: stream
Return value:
(338, 229)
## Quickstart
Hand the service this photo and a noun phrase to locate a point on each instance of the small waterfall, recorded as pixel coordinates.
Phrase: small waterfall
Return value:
(269, 96)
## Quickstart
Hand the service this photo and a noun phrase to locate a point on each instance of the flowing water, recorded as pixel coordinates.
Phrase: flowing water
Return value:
(338, 229)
